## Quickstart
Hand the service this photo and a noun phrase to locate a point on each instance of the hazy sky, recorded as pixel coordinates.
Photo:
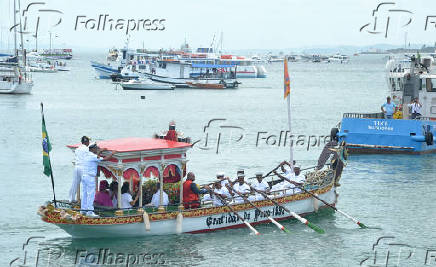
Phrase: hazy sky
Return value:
(245, 24)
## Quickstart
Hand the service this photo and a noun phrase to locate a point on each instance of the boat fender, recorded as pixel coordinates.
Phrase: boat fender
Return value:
(315, 203)
(179, 221)
(429, 138)
(146, 221)
(334, 134)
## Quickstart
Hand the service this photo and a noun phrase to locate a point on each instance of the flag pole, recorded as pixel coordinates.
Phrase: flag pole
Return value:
(49, 161)
(287, 94)
(291, 152)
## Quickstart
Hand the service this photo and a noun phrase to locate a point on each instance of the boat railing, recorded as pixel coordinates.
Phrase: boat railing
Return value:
(378, 115)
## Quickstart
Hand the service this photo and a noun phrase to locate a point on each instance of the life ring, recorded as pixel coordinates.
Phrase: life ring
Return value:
(334, 134)
(429, 138)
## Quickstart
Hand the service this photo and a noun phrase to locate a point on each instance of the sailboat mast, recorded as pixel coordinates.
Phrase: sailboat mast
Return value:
(21, 35)
(15, 29)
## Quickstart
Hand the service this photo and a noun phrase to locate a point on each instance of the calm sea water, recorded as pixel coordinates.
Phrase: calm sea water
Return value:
(394, 194)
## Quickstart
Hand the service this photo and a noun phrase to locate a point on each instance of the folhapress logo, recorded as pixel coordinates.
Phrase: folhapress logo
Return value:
(35, 17)
(106, 23)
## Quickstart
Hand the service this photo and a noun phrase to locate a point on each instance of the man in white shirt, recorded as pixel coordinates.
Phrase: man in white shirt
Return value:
(220, 176)
(90, 164)
(222, 191)
(79, 154)
(416, 108)
(290, 188)
(155, 200)
(259, 185)
(241, 187)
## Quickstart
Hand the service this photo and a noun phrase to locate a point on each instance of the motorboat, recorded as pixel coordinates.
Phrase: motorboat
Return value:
(145, 84)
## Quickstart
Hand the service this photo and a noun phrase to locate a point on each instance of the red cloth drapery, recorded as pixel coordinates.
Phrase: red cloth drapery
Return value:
(171, 174)
(151, 171)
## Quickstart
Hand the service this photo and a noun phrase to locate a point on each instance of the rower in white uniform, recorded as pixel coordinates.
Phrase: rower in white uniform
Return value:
(223, 181)
(259, 185)
(239, 186)
(79, 155)
(222, 191)
(220, 176)
(287, 187)
(90, 164)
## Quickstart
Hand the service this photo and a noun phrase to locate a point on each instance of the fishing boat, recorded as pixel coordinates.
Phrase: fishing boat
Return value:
(339, 58)
(66, 53)
(201, 76)
(206, 85)
(405, 133)
(145, 84)
(138, 159)
(222, 84)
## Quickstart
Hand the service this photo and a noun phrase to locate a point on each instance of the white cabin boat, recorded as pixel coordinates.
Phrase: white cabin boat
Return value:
(145, 84)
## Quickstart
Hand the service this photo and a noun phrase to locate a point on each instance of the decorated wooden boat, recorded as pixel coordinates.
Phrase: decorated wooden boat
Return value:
(137, 160)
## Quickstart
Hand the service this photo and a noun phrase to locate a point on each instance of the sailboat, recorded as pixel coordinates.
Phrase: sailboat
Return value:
(14, 78)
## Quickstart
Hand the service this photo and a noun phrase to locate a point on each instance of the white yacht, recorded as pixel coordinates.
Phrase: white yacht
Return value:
(339, 58)
(14, 78)
(145, 84)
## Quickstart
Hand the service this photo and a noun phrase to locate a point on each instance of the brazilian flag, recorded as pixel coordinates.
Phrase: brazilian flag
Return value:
(46, 148)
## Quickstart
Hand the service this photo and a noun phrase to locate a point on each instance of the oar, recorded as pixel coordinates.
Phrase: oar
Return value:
(273, 170)
(281, 227)
(331, 206)
(237, 215)
(295, 215)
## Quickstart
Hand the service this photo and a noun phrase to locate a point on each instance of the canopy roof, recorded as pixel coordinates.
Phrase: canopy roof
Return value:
(132, 144)
(210, 66)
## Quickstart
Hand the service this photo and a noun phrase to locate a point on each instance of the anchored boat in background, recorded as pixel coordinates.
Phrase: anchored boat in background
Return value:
(14, 78)
(408, 133)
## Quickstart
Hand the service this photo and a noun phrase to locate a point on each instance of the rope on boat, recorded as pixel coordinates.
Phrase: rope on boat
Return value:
(317, 178)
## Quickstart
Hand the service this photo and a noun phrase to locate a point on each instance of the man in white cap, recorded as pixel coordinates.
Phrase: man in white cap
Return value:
(220, 190)
(223, 181)
(239, 186)
(259, 185)
(287, 187)
(90, 164)
(79, 155)
(220, 176)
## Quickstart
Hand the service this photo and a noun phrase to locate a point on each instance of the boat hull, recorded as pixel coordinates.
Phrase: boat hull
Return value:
(194, 221)
(104, 71)
(387, 136)
(139, 86)
(15, 88)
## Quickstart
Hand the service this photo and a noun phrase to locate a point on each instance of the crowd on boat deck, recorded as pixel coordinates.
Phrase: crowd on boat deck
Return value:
(393, 109)
(223, 191)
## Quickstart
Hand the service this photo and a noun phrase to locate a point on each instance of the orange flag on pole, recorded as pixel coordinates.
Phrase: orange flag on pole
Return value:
(287, 82)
